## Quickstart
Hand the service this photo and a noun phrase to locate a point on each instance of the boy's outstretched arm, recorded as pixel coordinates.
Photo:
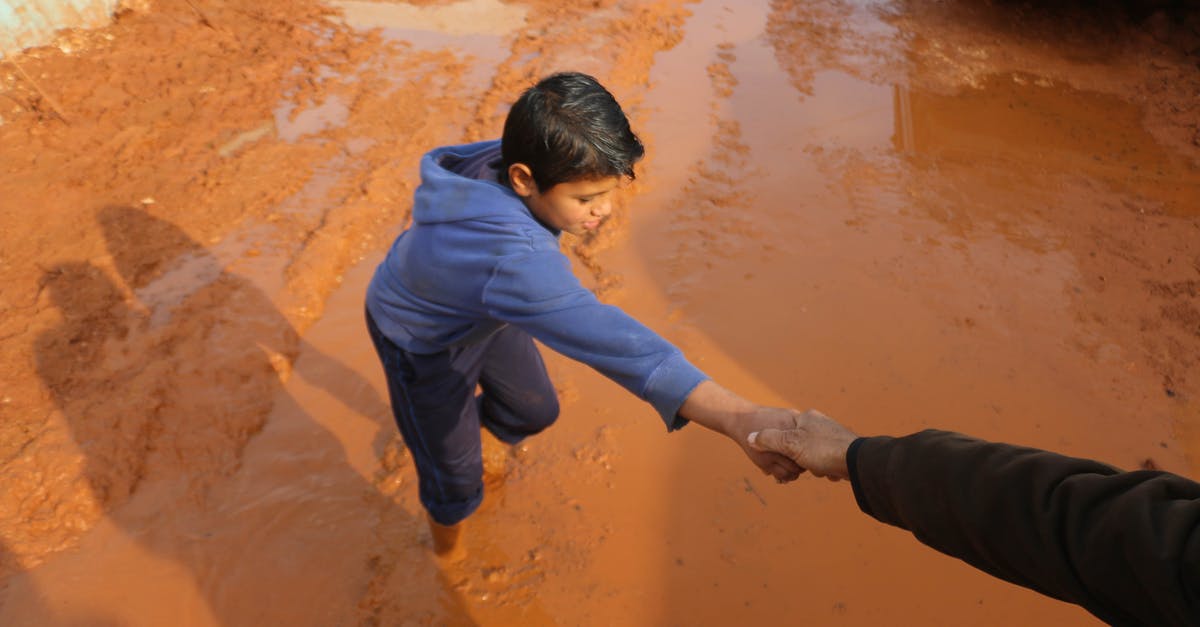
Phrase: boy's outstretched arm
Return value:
(723, 411)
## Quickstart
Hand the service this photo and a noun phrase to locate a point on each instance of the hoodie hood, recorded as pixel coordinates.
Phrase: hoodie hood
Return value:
(458, 183)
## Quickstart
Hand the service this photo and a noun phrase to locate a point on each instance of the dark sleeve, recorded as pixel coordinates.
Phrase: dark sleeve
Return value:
(1123, 545)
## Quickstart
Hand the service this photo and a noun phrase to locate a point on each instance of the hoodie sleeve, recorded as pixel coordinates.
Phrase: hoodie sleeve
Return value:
(537, 292)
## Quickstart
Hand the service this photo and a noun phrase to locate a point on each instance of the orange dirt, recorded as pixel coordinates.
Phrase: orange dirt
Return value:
(976, 216)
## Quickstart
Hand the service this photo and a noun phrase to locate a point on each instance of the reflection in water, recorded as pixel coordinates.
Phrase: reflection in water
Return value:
(1029, 123)
(475, 28)
(467, 17)
(846, 35)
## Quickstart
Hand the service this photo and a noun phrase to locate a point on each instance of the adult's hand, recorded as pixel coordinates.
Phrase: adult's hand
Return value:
(813, 441)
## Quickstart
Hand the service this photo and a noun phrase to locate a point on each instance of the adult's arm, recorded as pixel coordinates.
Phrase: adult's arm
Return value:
(1123, 545)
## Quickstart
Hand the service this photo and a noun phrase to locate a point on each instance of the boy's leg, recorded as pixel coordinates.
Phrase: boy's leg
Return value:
(433, 402)
(518, 398)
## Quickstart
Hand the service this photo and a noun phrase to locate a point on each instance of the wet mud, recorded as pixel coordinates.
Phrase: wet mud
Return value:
(983, 217)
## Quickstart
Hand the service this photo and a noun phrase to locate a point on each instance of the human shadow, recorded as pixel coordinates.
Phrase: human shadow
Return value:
(170, 373)
(20, 598)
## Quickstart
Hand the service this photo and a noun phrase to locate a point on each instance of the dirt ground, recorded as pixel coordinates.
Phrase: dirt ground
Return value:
(978, 216)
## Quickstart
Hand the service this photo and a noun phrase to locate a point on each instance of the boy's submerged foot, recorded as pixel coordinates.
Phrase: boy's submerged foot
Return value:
(448, 544)
(497, 458)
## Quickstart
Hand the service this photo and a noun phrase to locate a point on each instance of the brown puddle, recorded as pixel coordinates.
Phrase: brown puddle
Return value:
(835, 212)
(1050, 131)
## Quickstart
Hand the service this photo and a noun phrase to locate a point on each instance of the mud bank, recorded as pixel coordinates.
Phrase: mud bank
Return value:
(906, 214)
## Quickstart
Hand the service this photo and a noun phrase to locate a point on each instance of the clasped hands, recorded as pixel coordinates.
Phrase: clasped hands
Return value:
(785, 443)
(782, 442)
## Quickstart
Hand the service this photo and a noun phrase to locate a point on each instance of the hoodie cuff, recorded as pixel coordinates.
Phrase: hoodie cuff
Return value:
(669, 386)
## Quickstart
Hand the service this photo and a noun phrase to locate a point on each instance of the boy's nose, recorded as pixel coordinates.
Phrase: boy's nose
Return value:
(603, 209)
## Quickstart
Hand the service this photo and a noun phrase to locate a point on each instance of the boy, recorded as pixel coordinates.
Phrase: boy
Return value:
(479, 274)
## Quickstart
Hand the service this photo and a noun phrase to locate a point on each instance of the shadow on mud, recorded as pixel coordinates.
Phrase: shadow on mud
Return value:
(166, 366)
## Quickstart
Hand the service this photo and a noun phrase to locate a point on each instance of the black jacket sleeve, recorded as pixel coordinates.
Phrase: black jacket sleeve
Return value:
(1123, 545)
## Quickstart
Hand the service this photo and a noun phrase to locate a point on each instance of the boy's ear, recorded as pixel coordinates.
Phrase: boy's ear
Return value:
(520, 177)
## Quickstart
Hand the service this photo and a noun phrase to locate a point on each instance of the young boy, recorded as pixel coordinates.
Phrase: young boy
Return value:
(479, 274)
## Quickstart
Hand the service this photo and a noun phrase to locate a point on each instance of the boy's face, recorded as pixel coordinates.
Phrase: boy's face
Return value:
(573, 206)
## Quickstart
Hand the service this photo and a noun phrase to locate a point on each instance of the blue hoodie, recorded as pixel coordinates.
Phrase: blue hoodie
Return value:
(476, 259)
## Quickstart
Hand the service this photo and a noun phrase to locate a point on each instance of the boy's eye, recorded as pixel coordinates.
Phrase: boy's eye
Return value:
(584, 201)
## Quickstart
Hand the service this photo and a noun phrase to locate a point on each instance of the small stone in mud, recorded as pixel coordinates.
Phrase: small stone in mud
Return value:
(1149, 464)
(495, 575)
(1170, 392)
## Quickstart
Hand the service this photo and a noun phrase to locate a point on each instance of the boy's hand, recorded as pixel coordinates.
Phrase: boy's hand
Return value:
(771, 462)
(719, 409)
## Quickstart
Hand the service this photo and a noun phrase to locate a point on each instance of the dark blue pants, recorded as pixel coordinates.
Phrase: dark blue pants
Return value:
(435, 404)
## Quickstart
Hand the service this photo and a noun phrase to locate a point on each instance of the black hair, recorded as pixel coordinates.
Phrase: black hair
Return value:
(568, 127)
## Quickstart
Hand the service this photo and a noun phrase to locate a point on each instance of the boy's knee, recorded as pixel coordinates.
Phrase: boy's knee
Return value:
(545, 412)
(511, 424)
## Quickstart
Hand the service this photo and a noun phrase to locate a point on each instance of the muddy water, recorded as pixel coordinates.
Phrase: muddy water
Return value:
(850, 206)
